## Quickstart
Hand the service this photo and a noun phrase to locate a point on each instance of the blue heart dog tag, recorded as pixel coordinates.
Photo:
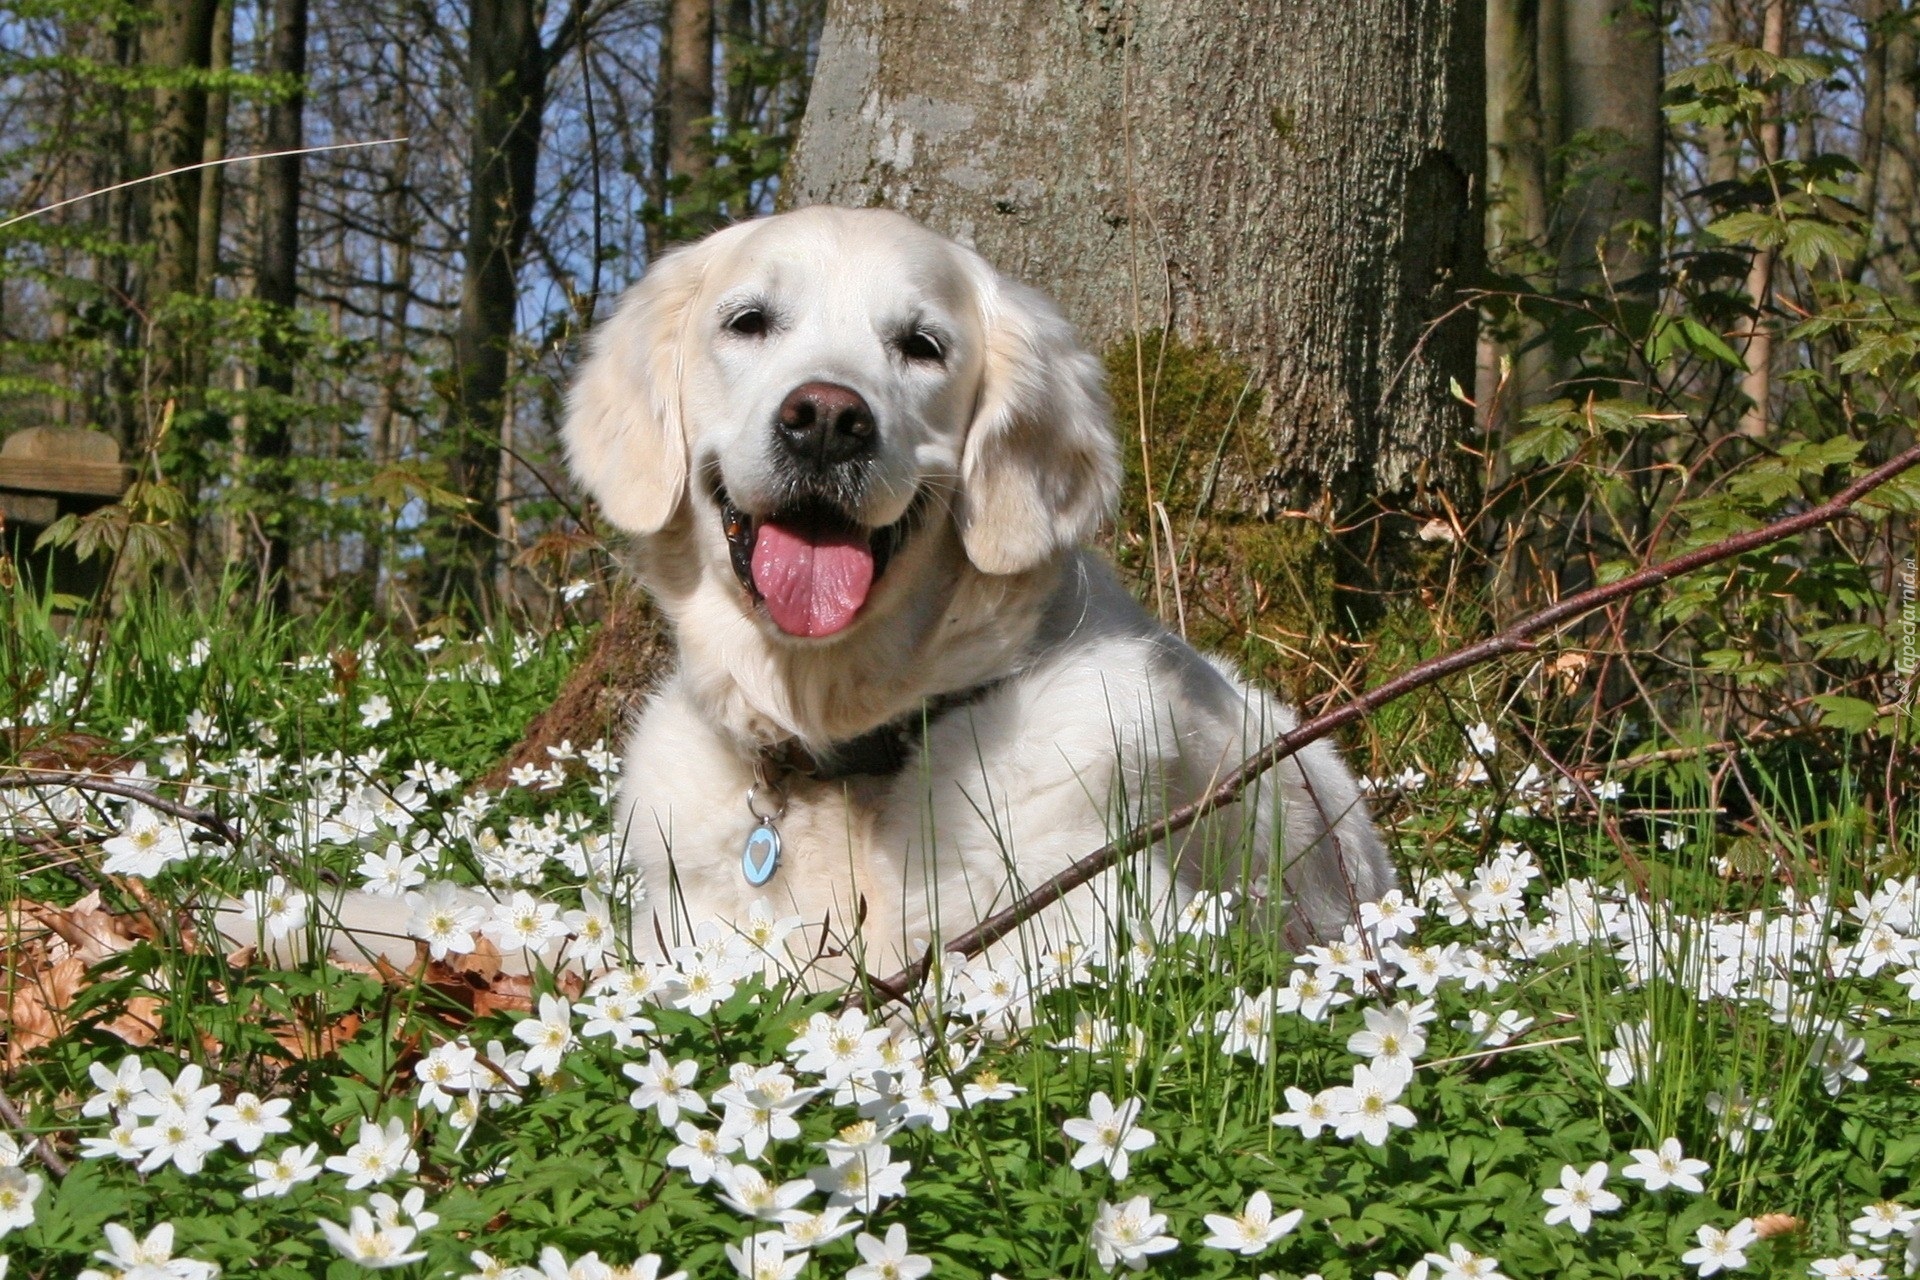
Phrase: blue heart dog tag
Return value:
(761, 858)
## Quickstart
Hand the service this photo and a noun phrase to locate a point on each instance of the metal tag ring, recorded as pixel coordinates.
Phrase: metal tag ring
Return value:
(752, 808)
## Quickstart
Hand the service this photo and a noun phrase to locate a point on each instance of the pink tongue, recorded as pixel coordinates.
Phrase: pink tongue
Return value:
(813, 587)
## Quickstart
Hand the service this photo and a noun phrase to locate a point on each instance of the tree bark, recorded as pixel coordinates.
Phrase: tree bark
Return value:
(1757, 384)
(738, 44)
(276, 286)
(689, 109)
(1723, 141)
(1614, 73)
(506, 84)
(213, 179)
(178, 45)
(1900, 160)
(1291, 184)
(1519, 207)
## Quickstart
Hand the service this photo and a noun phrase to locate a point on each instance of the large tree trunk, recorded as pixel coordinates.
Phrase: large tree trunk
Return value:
(276, 285)
(1613, 71)
(506, 83)
(1289, 186)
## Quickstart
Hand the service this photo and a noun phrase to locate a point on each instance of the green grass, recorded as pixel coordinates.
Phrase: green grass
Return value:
(564, 1161)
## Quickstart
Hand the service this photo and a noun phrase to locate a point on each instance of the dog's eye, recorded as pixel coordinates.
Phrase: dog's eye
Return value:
(751, 323)
(918, 344)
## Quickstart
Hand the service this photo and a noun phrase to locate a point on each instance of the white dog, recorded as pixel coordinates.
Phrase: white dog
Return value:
(859, 466)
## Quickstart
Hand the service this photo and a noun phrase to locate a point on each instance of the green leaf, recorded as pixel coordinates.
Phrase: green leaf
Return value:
(1547, 443)
(1705, 341)
(1809, 240)
(1855, 715)
(1760, 230)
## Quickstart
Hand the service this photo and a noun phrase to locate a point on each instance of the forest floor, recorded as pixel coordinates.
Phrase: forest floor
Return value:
(1581, 1041)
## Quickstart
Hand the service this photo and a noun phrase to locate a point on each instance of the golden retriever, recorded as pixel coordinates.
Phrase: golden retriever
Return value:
(858, 466)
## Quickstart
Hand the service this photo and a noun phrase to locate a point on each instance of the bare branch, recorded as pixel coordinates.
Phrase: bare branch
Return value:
(190, 168)
(48, 1156)
(1520, 636)
(205, 819)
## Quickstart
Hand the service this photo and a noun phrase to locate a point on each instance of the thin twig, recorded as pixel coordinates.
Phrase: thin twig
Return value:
(1516, 638)
(205, 819)
(189, 168)
(48, 1156)
(1497, 1051)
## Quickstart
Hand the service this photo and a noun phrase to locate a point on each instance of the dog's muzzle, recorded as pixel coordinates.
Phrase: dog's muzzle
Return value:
(809, 563)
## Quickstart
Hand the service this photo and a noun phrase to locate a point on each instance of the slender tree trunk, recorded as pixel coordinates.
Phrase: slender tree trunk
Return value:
(1610, 214)
(212, 180)
(739, 41)
(1552, 63)
(1757, 384)
(690, 107)
(506, 83)
(395, 323)
(1723, 141)
(276, 285)
(199, 364)
(1900, 163)
(1518, 205)
(1516, 142)
(114, 398)
(1873, 118)
(1291, 187)
(178, 46)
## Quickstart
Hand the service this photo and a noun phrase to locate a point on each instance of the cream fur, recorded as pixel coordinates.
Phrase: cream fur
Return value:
(1102, 717)
(1098, 717)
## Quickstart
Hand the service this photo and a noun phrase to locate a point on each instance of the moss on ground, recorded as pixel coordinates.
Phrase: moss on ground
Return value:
(1256, 584)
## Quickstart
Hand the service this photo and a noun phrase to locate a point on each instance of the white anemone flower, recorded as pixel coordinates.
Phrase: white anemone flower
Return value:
(1109, 1135)
(1721, 1250)
(1253, 1230)
(1579, 1196)
(1667, 1167)
(1129, 1234)
(367, 1242)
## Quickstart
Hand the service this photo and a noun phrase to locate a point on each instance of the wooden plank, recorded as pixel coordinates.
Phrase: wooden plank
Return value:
(46, 475)
(29, 508)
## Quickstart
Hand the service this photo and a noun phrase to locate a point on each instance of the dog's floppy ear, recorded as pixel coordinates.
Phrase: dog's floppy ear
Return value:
(625, 441)
(1040, 469)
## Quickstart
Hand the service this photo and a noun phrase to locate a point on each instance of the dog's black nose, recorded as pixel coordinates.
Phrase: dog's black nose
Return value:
(825, 424)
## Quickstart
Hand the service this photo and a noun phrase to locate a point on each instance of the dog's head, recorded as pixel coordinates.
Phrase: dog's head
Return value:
(812, 390)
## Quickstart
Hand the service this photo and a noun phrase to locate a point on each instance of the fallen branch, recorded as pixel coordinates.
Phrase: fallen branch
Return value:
(28, 779)
(48, 1156)
(1516, 638)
